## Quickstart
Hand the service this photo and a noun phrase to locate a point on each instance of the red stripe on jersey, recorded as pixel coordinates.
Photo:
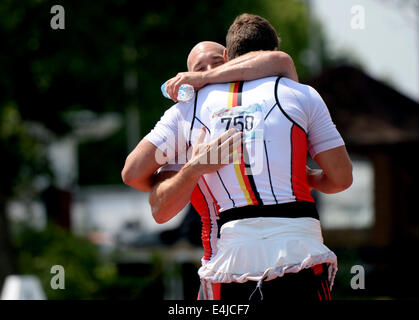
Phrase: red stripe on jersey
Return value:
(300, 186)
(235, 94)
(217, 206)
(246, 179)
(201, 206)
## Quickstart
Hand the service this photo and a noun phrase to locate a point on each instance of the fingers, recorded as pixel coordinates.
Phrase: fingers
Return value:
(219, 152)
(222, 138)
(201, 136)
(177, 84)
(230, 148)
(169, 89)
(173, 85)
(193, 78)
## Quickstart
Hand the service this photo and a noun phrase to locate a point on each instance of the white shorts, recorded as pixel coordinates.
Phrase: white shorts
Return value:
(266, 248)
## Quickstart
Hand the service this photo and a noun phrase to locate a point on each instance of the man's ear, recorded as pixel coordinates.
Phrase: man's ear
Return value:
(225, 55)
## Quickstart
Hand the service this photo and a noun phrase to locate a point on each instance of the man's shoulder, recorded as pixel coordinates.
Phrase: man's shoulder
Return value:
(180, 109)
(294, 85)
(297, 88)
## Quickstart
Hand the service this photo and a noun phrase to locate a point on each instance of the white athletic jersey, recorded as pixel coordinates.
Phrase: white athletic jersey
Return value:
(281, 121)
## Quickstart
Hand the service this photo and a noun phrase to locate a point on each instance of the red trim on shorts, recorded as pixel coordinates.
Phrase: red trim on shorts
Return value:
(317, 269)
(216, 291)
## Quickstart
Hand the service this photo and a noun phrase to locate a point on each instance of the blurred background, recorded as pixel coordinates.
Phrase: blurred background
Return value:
(75, 102)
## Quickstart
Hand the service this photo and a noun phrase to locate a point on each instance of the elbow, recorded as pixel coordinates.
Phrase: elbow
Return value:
(282, 58)
(345, 182)
(159, 220)
(156, 210)
(286, 65)
(126, 173)
(158, 215)
(129, 180)
(125, 176)
(135, 181)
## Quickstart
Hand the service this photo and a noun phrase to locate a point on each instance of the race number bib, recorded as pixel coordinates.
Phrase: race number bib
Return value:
(249, 120)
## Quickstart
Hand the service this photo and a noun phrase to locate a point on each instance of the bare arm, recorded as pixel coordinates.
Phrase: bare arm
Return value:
(140, 166)
(336, 171)
(251, 66)
(171, 191)
(254, 65)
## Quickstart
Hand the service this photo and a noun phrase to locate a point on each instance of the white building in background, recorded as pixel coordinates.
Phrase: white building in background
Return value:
(354, 207)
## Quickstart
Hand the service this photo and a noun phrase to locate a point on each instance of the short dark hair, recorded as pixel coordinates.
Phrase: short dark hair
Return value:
(250, 33)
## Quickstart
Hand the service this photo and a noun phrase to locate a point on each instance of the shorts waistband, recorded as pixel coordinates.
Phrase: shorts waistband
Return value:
(296, 209)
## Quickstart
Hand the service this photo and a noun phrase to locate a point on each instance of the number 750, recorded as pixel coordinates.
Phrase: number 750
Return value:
(244, 122)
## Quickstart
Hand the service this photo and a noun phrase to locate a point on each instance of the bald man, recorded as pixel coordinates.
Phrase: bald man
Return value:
(205, 55)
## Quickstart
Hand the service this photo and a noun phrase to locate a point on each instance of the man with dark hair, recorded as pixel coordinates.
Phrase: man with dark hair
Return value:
(260, 224)
(250, 33)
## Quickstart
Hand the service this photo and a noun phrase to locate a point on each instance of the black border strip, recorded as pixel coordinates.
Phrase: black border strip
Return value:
(193, 118)
(269, 172)
(280, 107)
(225, 188)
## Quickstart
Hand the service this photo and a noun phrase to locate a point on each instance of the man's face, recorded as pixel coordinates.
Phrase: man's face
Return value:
(205, 57)
(207, 61)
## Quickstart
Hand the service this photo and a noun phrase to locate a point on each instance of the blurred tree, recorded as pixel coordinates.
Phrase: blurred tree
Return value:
(22, 159)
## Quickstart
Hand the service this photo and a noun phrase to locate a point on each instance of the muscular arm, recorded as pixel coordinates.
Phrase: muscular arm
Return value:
(335, 174)
(172, 190)
(251, 66)
(171, 193)
(140, 166)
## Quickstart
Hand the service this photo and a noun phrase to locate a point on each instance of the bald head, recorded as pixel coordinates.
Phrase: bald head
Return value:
(205, 55)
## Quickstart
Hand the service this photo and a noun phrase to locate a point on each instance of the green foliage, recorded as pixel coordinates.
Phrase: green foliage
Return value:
(23, 155)
(87, 274)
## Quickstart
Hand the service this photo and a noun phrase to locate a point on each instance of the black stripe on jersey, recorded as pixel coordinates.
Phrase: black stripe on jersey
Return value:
(193, 118)
(269, 171)
(292, 148)
(209, 131)
(255, 190)
(228, 193)
(239, 93)
(270, 111)
(218, 229)
(280, 107)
